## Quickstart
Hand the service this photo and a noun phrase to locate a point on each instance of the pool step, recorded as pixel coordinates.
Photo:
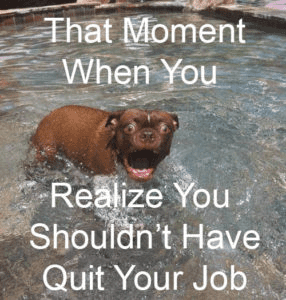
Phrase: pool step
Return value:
(258, 15)
(263, 16)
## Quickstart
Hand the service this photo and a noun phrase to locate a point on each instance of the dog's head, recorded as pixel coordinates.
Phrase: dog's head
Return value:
(142, 139)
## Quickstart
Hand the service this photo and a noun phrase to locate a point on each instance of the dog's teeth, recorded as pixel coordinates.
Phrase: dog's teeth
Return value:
(141, 172)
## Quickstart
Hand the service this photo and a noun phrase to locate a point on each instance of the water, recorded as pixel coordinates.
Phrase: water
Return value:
(254, 2)
(231, 136)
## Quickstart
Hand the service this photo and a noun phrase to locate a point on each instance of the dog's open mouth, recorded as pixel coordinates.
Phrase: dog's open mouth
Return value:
(140, 165)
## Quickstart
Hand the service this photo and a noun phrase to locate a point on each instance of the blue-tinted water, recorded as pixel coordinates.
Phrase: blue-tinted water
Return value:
(231, 136)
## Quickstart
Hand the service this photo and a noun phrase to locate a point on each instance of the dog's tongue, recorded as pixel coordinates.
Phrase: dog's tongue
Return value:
(141, 173)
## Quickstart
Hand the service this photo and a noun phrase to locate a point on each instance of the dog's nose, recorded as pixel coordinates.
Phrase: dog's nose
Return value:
(147, 134)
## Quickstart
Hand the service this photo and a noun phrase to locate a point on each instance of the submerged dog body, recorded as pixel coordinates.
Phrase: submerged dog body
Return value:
(96, 139)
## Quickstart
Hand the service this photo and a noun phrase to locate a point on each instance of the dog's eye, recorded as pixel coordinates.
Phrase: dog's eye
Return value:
(164, 128)
(130, 127)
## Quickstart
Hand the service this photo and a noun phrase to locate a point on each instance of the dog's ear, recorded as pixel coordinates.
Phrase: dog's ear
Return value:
(175, 120)
(114, 118)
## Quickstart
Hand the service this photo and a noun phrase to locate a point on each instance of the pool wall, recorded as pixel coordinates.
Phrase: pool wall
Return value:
(259, 15)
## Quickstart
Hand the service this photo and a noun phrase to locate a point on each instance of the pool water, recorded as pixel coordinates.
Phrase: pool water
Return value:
(232, 136)
(254, 2)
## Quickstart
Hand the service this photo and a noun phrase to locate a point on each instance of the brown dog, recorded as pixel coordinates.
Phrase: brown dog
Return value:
(139, 139)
